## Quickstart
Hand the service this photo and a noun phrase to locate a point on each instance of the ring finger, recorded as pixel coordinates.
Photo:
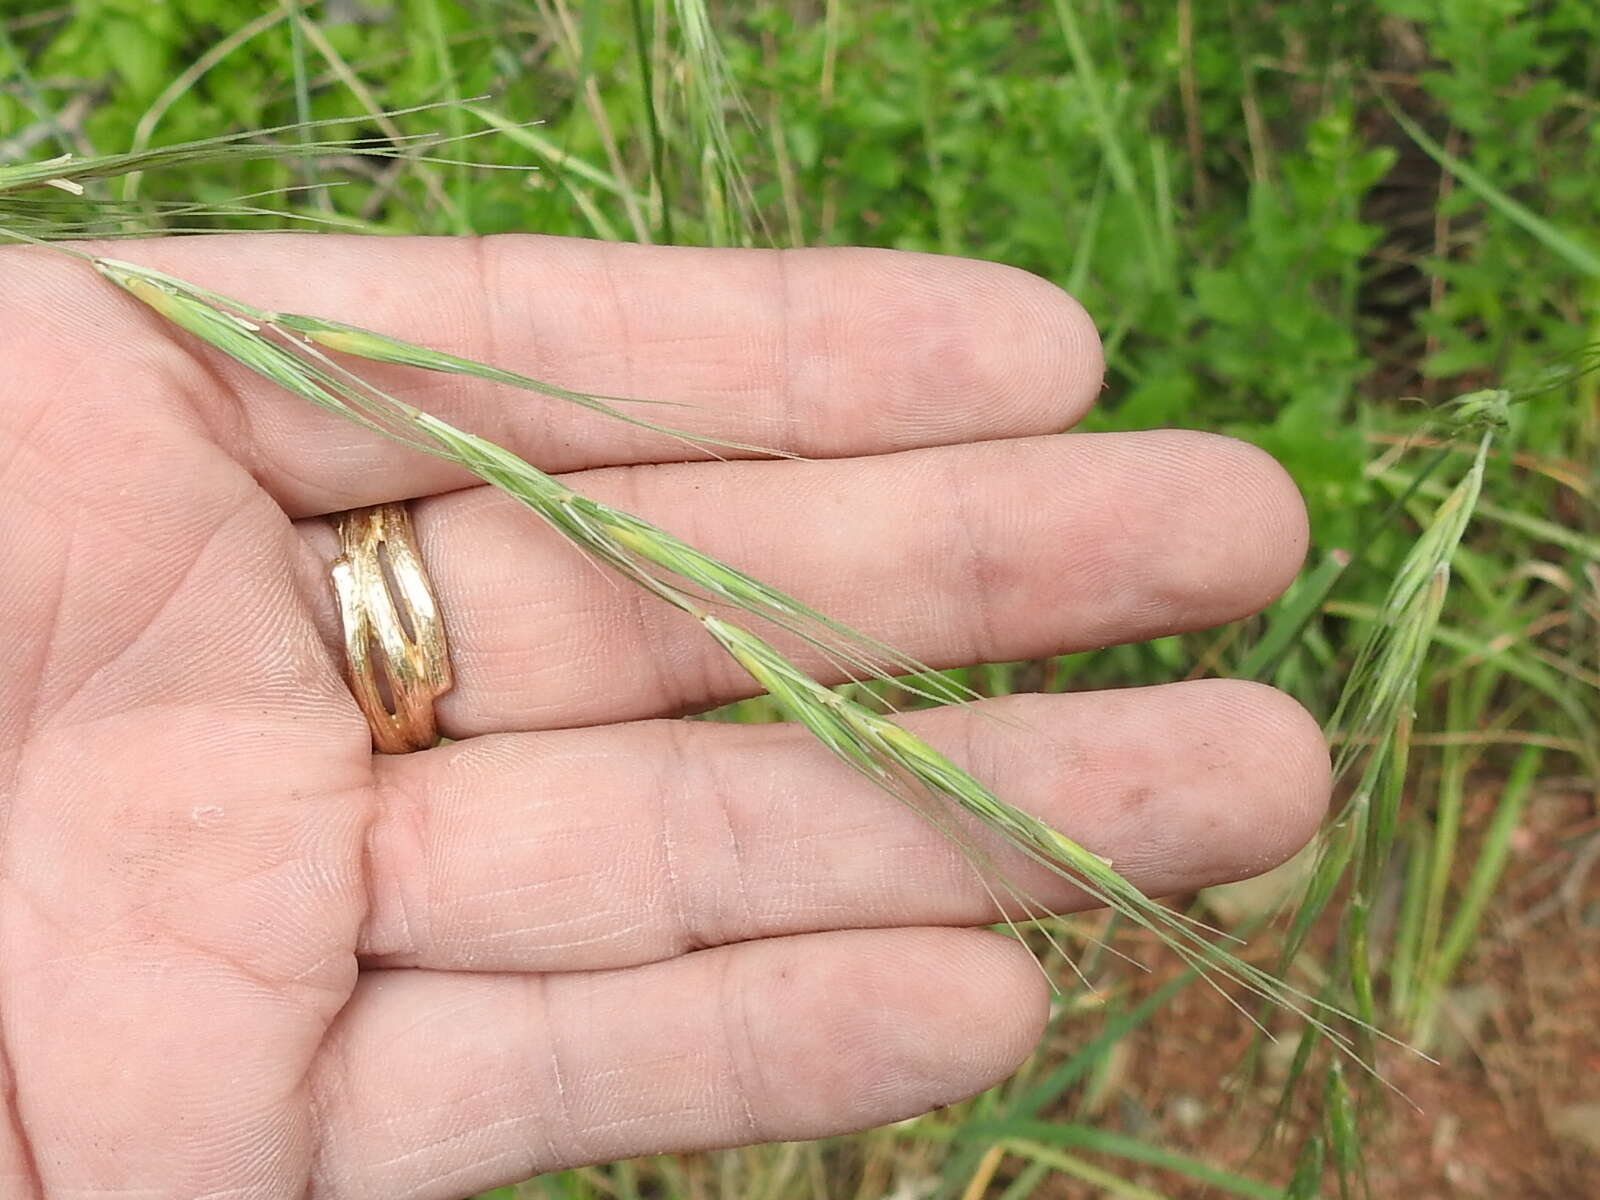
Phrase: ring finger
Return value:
(594, 848)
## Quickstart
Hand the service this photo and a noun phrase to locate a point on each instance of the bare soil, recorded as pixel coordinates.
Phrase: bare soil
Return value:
(1510, 1112)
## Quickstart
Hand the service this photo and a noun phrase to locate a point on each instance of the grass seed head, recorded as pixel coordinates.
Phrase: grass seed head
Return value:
(882, 751)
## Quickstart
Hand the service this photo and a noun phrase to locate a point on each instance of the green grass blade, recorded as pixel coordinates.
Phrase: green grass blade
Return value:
(1539, 528)
(1306, 1183)
(1029, 1180)
(1573, 252)
(1109, 1184)
(1118, 1145)
(557, 157)
(1486, 872)
(1408, 948)
(1344, 1134)
(1112, 150)
(1490, 649)
(655, 143)
(1440, 849)
(1290, 617)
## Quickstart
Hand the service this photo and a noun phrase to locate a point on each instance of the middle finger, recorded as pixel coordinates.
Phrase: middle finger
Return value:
(987, 552)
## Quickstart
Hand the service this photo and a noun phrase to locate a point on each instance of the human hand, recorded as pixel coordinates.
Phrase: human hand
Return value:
(241, 955)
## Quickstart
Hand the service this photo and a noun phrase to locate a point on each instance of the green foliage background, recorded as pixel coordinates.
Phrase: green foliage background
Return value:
(1221, 183)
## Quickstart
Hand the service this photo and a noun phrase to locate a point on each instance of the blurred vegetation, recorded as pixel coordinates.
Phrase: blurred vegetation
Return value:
(1309, 226)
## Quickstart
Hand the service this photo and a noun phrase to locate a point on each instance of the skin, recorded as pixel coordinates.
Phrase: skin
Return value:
(241, 956)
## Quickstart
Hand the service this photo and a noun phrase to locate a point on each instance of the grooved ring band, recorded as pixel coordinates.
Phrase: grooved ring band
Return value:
(396, 659)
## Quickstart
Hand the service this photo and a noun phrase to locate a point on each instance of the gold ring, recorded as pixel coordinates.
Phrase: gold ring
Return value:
(396, 659)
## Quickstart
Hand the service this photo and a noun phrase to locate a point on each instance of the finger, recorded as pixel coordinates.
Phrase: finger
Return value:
(992, 552)
(608, 847)
(438, 1085)
(819, 352)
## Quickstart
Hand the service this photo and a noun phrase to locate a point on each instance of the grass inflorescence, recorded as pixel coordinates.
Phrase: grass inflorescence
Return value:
(291, 353)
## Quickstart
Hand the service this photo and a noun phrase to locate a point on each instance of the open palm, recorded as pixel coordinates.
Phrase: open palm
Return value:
(240, 955)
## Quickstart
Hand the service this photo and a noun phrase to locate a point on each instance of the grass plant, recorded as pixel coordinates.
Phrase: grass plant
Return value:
(1281, 223)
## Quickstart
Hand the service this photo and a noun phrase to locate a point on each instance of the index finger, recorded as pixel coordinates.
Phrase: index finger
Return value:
(822, 353)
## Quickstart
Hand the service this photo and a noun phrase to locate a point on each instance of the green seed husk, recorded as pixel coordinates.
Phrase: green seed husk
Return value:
(378, 347)
(1383, 680)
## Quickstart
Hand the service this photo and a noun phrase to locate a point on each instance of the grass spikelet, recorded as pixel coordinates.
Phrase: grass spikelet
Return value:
(1383, 679)
(210, 316)
(378, 347)
(1373, 714)
(683, 575)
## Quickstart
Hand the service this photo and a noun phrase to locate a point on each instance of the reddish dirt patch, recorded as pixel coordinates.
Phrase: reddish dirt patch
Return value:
(1512, 1112)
